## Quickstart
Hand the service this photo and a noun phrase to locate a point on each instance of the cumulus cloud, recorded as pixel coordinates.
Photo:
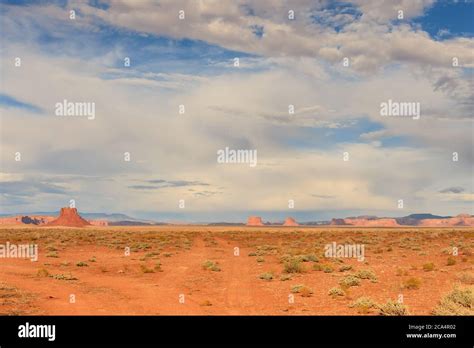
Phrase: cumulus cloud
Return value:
(300, 154)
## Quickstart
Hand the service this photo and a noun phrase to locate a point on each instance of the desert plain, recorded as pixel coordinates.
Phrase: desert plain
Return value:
(237, 270)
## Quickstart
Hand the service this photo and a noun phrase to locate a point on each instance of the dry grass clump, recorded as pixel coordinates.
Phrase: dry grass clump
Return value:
(42, 273)
(363, 305)
(349, 280)
(458, 302)
(428, 267)
(392, 308)
(367, 274)
(211, 266)
(412, 283)
(266, 276)
(466, 278)
(450, 261)
(303, 290)
(334, 292)
(293, 266)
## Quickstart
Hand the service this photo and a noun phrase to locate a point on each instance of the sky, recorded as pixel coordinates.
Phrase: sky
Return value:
(334, 62)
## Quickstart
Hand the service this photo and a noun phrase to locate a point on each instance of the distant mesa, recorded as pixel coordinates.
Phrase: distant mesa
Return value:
(421, 220)
(69, 217)
(254, 221)
(338, 222)
(459, 220)
(371, 222)
(289, 221)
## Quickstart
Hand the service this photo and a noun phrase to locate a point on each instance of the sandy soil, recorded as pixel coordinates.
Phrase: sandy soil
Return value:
(111, 283)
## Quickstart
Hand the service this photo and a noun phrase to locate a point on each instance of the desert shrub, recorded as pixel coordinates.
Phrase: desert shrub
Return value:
(285, 277)
(253, 254)
(293, 266)
(158, 266)
(266, 276)
(205, 303)
(447, 251)
(317, 267)
(303, 290)
(345, 268)
(451, 261)
(349, 280)
(52, 254)
(211, 266)
(42, 272)
(427, 267)
(327, 269)
(82, 264)
(63, 277)
(363, 305)
(336, 292)
(145, 269)
(308, 258)
(306, 292)
(466, 278)
(412, 283)
(260, 259)
(401, 272)
(366, 274)
(393, 308)
(458, 302)
(296, 288)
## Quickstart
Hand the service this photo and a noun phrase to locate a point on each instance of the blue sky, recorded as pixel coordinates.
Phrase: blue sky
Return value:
(191, 62)
(455, 17)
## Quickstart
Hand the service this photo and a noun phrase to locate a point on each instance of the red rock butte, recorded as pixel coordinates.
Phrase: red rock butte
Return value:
(254, 221)
(69, 217)
(289, 221)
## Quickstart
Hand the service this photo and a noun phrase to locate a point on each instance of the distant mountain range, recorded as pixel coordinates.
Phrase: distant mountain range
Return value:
(424, 219)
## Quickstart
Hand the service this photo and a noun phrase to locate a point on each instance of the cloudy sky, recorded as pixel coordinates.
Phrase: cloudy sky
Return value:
(334, 61)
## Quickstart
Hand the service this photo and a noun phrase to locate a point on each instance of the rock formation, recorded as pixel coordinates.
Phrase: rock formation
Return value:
(338, 222)
(364, 222)
(254, 221)
(459, 220)
(289, 221)
(98, 222)
(69, 217)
